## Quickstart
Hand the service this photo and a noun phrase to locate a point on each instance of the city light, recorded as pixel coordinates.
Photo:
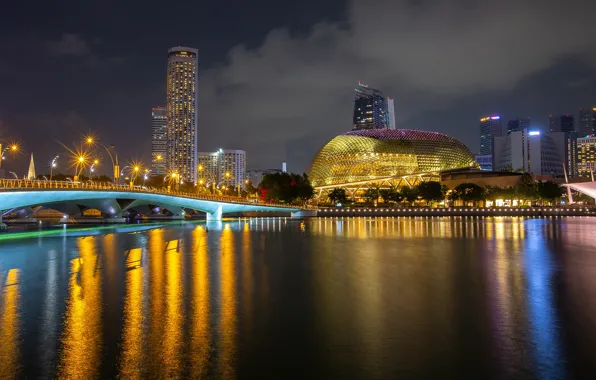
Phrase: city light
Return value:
(534, 133)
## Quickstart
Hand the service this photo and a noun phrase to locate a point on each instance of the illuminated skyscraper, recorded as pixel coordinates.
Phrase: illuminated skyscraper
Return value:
(562, 123)
(586, 156)
(159, 140)
(515, 125)
(490, 127)
(181, 112)
(224, 167)
(372, 110)
(587, 121)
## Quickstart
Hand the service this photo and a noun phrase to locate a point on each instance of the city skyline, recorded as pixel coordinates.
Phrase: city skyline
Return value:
(238, 75)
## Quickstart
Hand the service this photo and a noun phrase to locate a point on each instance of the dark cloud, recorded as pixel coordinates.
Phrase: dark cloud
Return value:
(69, 44)
(298, 88)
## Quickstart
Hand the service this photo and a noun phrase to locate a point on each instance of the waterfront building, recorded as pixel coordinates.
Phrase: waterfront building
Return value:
(586, 156)
(561, 123)
(256, 176)
(222, 167)
(530, 151)
(515, 125)
(181, 112)
(490, 127)
(586, 122)
(383, 157)
(372, 110)
(159, 141)
(485, 161)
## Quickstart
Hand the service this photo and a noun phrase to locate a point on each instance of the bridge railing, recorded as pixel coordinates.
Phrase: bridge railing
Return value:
(106, 186)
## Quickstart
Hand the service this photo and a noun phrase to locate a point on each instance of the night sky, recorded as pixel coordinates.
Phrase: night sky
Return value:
(276, 78)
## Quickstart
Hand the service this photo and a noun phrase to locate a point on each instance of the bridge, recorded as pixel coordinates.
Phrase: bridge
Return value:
(113, 201)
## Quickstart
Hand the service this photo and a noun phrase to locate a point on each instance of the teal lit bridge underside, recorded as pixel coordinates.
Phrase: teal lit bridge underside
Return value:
(113, 203)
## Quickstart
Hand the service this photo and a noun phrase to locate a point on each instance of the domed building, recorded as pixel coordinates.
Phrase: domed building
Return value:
(386, 155)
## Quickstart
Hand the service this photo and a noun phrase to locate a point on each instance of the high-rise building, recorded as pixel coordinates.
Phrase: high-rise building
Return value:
(256, 176)
(372, 110)
(586, 156)
(181, 112)
(159, 140)
(562, 123)
(530, 151)
(490, 127)
(223, 167)
(587, 121)
(519, 124)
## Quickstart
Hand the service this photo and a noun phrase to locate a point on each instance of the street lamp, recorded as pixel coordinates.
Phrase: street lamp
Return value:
(53, 165)
(13, 148)
(92, 169)
(91, 141)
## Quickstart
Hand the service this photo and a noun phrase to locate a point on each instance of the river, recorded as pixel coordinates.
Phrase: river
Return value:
(353, 298)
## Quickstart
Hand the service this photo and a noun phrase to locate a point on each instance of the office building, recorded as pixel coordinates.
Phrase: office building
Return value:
(256, 176)
(372, 110)
(181, 112)
(530, 151)
(490, 127)
(586, 122)
(159, 141)
(571, 154)
(222, 167)
(562, 123)
(515, 125)
(586, 156)
(485, 161)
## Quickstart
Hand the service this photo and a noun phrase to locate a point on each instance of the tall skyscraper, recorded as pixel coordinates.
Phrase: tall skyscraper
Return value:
(159, 140)
(587, 121)
(490, 127)
(562, 123)
(372, 110)
(515, 125)
(181, 112)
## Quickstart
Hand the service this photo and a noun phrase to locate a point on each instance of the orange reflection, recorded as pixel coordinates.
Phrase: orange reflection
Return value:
(9, 327)
(157, 303)
(172, 339)
(132, 339)
(82, 332)
(200, 339)
(247, 276)
(228, 305)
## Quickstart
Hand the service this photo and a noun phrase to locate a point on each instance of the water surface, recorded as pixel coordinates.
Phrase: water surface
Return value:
(368, 298)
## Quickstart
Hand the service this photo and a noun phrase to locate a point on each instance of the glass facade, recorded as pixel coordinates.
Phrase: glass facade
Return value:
(365, 155)
(586, 156)
(159, 140)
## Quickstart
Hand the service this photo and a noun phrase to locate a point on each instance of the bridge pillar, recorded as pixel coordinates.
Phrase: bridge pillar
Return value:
(304, 214)
(3, 226)
(214, 216)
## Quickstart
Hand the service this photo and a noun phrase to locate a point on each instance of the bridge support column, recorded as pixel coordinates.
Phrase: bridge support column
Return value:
(3, 226)
(214, 216)
(304, 214)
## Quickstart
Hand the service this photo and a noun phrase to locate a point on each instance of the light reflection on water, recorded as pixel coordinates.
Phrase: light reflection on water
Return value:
(344, 298)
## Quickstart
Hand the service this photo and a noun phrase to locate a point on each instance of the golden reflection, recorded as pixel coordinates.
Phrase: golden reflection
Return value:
(247, 276)
(200, 338)
(155, 359)
(9, 327)
(172, 339)
(82, 332)
(132, 340)
(228, 305)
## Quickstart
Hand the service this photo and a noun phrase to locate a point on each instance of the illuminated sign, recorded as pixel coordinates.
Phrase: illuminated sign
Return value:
(485, 119)
(534, 133)
(495, 117)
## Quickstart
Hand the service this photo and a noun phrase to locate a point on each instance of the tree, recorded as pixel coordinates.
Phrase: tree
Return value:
(286, 187)
(409, 194)
(390, 195)
(371, 194)
(430, 191)
(468, 192)
(338, 195)
(250, 189)
(549, 191)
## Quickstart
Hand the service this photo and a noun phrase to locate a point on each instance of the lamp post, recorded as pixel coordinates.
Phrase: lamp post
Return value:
(90, 140)
(53, 165)
(12, 148)
(92, 168)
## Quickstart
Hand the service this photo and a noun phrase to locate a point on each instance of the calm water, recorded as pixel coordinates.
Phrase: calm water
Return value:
(502, 298)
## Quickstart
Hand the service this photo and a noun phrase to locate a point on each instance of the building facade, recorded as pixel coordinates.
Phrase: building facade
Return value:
(490, 127)
(586, 156)
(530, 151)
(372, 110)
(181, 112)
(159, 141)
(223, 167)
(586, 121)
(485, 161)
(561, 123)
(256, 176)
(515, 125)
